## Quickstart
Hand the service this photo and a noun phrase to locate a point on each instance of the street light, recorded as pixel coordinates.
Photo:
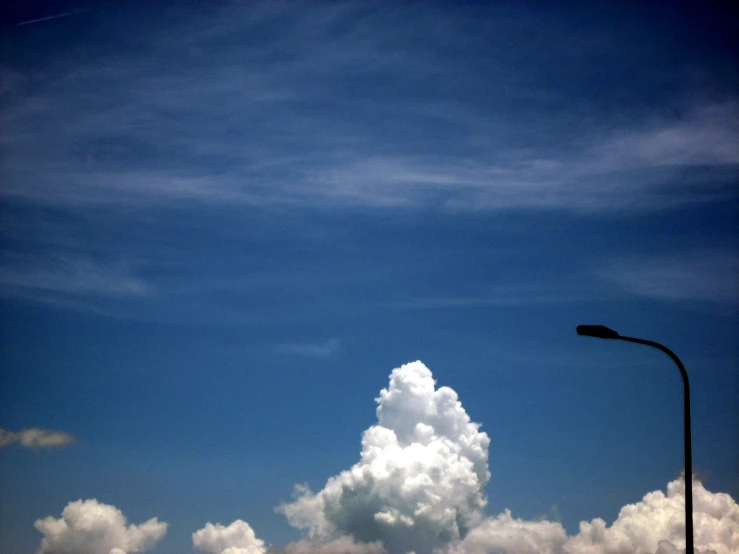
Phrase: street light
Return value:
(602, 332)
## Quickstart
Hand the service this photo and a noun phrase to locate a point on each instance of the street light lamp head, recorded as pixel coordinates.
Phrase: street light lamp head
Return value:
(597, 331)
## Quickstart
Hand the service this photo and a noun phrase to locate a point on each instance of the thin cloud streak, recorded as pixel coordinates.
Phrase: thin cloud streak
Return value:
(70, 276)
(325, 349)
(698, 275)
(65, 14)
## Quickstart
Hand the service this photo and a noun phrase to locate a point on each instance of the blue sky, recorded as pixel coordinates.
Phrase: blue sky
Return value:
(224, 226)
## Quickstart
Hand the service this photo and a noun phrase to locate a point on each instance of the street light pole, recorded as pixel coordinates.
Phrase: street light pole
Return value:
(602, 332)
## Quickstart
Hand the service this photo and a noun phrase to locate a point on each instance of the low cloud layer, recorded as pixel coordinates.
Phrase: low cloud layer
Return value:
(90, 527)
(419, 488)
(239, 538)
(36, 439)
(656, 524)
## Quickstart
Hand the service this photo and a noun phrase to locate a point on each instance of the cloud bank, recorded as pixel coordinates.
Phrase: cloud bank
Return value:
(419, 488)
(91, 527)
(36, 439)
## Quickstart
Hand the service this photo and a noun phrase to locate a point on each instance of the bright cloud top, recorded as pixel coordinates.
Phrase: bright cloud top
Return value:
(36, 439)
(419, 483)
(90, 527)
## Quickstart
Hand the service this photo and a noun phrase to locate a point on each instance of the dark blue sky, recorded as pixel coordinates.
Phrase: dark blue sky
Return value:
(225, 225)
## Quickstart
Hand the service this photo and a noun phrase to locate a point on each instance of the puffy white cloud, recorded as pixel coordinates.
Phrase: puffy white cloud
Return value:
(237, 538)
(653, 526)
(90, 527)
(36, 439)
(657, 524)
(419, 482)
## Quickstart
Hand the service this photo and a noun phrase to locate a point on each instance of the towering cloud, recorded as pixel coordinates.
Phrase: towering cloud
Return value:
(90, 527)
(419, 482)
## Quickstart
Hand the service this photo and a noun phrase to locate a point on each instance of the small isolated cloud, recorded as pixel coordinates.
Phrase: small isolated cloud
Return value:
(237, 538)
(36, 439)
(90, 527)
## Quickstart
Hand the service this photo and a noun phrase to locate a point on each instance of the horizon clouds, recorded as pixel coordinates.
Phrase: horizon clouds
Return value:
(418, 487)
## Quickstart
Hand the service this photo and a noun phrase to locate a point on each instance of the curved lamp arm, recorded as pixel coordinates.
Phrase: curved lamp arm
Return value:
(602, 332)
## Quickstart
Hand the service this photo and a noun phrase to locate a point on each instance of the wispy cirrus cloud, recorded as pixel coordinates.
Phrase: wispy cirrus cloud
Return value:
(505, 295)
(708, 275)
(325, 349)
(70, 276)
(644, 167)
(301, 119)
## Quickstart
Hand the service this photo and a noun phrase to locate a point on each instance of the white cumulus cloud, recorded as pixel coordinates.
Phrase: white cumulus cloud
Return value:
(91, 527)
(419, 482)
(657, 525)
(237, 538)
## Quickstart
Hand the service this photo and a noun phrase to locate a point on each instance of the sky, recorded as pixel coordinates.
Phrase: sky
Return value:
(304, 277)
